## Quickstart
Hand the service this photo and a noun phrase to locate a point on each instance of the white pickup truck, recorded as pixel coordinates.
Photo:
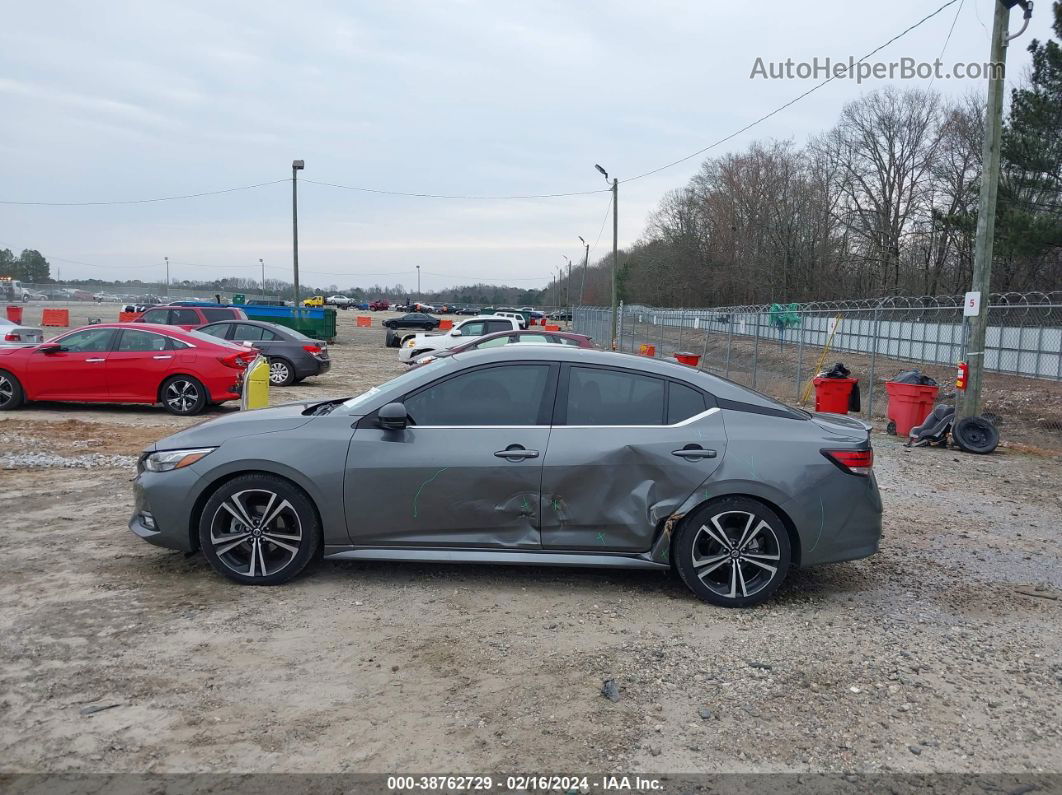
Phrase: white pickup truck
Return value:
(466, 330)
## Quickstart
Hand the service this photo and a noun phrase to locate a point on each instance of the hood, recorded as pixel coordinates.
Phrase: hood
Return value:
(242, 423)
(842, 425)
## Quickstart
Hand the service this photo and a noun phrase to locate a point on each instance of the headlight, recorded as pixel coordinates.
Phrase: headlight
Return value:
(411, 342)
(166, 460)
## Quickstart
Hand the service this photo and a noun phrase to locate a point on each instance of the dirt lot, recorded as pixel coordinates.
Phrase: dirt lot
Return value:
(942, 653)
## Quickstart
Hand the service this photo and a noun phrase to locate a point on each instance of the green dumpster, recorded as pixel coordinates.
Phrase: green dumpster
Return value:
(319, 323)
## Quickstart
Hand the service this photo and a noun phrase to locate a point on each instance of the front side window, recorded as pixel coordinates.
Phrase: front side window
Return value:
(614, 397)
(495, 342)
(156, 316)
(508, 395)
(88, 341)
(141, 341)
(473, 329)
(215, 330)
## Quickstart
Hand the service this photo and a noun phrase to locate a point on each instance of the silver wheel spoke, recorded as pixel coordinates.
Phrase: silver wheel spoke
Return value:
(268, 517)
(283, 536)
(230, 544)
(236, 508)
(741, 578)
(717, 534)
(733, 579)
(745, 533)
(760, 556)
(749, 534)
(254, 553)
(282, 544)
(261, 557)
(771, 569)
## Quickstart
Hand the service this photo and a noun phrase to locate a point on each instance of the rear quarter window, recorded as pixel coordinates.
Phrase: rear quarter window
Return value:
(213, 315)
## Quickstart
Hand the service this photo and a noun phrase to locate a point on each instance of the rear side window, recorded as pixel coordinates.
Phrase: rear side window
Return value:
(184, 317)
(497, 325)
(614, 397)
(473, 329)
(567, 341)
(213, 315)
(683, 402)
(534, 338)
(245, 331)
(141, 341)
(496, 342)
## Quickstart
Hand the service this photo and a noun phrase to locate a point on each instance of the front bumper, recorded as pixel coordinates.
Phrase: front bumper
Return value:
(166, 498)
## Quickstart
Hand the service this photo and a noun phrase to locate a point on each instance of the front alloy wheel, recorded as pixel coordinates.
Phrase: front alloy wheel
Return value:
(733, 552)
(259, 530)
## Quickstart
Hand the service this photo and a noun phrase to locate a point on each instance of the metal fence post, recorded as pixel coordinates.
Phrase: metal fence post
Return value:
(800, 357)
(729, 339)
(619, 340)
(873, 360)
(756, 350)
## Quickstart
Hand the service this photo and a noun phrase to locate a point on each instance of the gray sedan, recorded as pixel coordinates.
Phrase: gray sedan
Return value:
(15, 335)
(533, 455)
(292, 355)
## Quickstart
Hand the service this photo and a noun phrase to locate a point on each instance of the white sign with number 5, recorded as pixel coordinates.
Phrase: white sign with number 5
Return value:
(971, 304)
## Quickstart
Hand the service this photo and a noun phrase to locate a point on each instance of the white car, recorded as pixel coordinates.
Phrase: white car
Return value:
(420, 344)
(338, 300)
(519, 318)
(15, 335)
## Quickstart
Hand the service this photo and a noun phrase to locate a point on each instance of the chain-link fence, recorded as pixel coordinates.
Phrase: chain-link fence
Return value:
(777, 349)
(143, 293)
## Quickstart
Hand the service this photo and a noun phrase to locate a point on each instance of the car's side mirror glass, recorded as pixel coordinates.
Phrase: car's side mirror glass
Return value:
(393, 417)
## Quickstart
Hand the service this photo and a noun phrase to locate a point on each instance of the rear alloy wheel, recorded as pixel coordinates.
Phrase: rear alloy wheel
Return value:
(281, 373)
(11, 396)
(733, 552)
(259, 530)
(183, 395)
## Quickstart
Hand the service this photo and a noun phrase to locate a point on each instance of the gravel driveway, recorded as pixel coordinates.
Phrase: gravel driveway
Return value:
(942, 653)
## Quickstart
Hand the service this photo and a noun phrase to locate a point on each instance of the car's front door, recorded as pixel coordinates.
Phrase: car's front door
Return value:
(626, 450)
(466, 472)
(75, 372)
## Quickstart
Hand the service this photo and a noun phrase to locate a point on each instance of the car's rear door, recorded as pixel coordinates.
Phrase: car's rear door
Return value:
(467, 473)
(138, 365)
(627, 449)
(77, 372)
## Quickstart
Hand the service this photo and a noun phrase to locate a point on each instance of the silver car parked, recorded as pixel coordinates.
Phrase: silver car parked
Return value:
(523, 455)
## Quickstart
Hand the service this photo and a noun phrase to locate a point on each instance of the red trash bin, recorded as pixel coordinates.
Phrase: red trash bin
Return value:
(14, 314)
(686, 358)
(909, 404)
(832, 394)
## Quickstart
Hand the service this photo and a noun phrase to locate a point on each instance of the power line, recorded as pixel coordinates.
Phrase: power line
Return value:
(790, 103)
(489, 279)
(454, 196)
(144, 201)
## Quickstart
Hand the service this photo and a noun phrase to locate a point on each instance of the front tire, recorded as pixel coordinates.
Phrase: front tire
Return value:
(732, 552)
(259, 530)
(183, 395)
(11, 394)
(281, 372)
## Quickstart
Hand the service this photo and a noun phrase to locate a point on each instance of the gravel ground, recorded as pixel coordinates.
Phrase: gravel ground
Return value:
(942, 653)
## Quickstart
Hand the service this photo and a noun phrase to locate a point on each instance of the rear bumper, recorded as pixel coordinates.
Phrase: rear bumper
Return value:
(311, 365)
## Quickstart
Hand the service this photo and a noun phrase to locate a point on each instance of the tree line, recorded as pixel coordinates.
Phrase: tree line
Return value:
(884, 202)
(29, 266)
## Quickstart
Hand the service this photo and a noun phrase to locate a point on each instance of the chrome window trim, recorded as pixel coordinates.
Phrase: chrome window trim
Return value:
(688, 421)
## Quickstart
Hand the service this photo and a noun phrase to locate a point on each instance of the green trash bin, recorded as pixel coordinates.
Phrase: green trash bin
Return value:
(239, 299)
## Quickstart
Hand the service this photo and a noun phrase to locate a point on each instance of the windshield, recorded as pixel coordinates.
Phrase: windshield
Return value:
(365, 397)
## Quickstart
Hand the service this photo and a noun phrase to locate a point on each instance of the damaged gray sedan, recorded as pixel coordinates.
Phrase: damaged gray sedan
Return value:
(545, 455)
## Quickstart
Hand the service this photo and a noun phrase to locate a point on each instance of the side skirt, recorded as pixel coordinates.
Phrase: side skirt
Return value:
(422, 555)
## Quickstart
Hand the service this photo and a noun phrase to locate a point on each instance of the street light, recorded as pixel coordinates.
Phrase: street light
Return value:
(418, 283)
(296, 166)
(586, 261)
(615, 244)
(167, 276)
(260, 262)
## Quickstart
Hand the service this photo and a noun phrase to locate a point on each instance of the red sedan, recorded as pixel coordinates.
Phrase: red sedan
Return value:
(185, 371)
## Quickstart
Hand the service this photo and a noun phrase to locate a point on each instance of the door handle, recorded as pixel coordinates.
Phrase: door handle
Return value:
(161, 357)
(95, 360)
(693, 453)
(515, 452)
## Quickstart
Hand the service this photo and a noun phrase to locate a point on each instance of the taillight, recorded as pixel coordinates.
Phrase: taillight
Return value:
(312, 348)
(854, 462)
(239, 360)
(11, 336)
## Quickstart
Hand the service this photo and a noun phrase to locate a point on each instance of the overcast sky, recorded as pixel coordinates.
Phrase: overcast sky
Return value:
(118, 100)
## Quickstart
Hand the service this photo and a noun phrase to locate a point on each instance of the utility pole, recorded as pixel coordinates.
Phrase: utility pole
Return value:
(418, 282)
(615, 245)
(262, 263)
(296, 167)
(167, 276)
(568, 287)
(970, 405)
(586, 261)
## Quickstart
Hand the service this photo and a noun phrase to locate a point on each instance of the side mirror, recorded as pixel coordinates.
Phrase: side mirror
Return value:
(50, 347)
(456, 333)
(393, 417)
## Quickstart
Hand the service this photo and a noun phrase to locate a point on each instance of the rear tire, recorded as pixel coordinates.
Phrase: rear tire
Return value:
(732, 552)
(247, 545)
(183, 395)
(11, 394)
(281, 372)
